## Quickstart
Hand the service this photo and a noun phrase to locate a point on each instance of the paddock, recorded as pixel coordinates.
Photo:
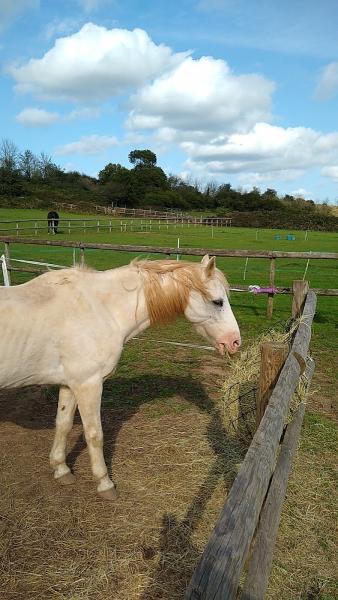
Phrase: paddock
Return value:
(174, 462)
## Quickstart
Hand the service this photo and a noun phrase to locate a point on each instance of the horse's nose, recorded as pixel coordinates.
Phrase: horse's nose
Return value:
(231, 342)
(234, 344)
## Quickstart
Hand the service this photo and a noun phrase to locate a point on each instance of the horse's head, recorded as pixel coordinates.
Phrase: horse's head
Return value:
(211, 313)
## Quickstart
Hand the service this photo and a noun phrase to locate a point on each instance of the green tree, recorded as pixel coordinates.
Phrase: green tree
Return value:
(110, 172)
(146, 179)
(28, 165)
(10, 182)
(142, 158)
(48, 170)
(116, 183)
(162, 199)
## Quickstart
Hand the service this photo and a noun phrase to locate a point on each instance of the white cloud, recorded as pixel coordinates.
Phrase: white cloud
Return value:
(36, 117)
(264, 152)
(10, 10)
(328, 82)
(249, 179)
(199, 98)
(87, 112)
(301, 193)
(330, 171)
(94, 63)
(39, 117)
(91, 144)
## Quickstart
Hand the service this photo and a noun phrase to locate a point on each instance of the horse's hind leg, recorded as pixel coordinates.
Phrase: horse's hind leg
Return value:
(88, 397)
(64, 422)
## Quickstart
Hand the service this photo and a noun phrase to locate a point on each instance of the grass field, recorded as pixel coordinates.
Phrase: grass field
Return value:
(173, 460)
(321, 273)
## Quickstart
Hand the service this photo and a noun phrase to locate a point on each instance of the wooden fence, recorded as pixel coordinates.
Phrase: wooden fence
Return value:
(248, 523)
(270, 255)
(114, 224)
(141, 212)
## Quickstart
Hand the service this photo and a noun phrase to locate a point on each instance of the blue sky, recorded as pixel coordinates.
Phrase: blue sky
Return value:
(237, 91)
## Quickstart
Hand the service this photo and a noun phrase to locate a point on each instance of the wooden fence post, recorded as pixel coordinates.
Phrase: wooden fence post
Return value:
(8, 262)
(300, 289)
(273, 357)
(261, 557)
(272, 283)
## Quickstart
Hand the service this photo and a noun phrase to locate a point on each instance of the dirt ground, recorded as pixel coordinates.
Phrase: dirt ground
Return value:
(172, 467)
(173, 463)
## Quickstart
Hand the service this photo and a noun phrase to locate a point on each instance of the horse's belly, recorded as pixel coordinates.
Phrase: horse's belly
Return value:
(27, 360)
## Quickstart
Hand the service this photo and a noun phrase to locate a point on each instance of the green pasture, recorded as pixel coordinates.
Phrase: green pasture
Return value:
(320, 273)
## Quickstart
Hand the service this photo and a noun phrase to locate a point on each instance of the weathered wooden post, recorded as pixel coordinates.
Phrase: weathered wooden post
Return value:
(8, 262)
(300, 289)
(273, 357)
(218, 571)
(261, 557)
(269, 310)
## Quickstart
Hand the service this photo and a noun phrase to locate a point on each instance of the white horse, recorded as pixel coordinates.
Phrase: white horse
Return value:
(68, 328)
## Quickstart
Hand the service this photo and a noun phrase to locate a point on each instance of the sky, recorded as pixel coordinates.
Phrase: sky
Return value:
(234, 91)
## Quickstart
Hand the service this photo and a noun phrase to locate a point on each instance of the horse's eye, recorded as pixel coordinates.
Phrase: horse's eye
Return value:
(218, 302)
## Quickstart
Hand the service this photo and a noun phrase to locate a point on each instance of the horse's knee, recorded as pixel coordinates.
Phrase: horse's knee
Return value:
(94, 438)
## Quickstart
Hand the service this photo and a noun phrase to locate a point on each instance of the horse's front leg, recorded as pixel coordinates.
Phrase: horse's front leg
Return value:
(63, 425)
(88, 397)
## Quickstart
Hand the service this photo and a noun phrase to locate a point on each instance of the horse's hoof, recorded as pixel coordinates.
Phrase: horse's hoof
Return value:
(109, 494)
(66, 479)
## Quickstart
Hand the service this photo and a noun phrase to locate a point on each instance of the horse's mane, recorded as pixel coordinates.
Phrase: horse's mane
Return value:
(168, 283)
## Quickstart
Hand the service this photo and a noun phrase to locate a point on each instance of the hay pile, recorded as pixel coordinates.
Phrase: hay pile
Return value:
(240, 389)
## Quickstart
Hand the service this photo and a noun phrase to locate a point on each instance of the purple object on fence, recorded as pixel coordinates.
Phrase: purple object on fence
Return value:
(257, 289)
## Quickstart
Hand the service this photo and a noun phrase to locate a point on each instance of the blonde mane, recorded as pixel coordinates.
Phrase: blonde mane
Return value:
(168, 283)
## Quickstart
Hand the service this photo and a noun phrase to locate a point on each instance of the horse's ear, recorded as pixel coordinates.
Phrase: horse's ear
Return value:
(210, 266)
(205, 260)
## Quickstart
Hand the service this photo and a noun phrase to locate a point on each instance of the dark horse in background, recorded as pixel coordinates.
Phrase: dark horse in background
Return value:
(53, 221)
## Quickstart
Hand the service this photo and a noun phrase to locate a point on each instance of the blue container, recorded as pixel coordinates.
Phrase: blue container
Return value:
(290, 237)
(277, 237)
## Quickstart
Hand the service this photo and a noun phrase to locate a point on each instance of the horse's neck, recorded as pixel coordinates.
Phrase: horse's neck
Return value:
(128, 305)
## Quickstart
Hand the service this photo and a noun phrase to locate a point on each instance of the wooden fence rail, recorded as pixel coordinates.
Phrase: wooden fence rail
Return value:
(218, 571)
(172, 250)
(271, 255)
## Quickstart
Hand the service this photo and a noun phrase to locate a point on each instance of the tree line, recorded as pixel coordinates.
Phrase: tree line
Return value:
(144, 185)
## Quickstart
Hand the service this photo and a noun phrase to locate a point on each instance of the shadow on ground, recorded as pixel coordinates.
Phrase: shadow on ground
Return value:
(177, 554)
